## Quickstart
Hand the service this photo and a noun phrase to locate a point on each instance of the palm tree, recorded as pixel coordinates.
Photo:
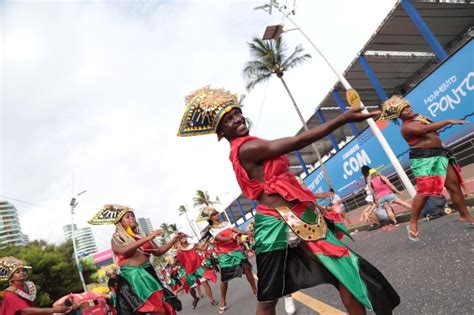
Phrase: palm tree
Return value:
(184, 210)
(270, 57)
(166, 230)
(202, 198)
(173, 228)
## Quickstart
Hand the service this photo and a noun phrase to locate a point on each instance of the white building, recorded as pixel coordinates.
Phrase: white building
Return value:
(10, 230)
(145, 225)
(85, 242)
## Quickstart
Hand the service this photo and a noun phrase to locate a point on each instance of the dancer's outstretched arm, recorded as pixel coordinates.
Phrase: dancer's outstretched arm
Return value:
(417, 128)
(129, 249)
(258, 150)
(163, 249)
(238, 231)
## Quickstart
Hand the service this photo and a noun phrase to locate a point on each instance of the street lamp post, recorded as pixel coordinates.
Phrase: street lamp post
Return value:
(375, 129)
(73, 205)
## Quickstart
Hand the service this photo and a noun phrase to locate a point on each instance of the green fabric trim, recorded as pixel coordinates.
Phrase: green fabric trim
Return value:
(309, 216)
(231, 259)
(436, 165)
(191, 278)
(270, 233)
(346, 270)
(172, 282)
(340, 227)
(200, 272)
(140, 280)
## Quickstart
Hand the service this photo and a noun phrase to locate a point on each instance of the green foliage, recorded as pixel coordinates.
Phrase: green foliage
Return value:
(202, 198)
(53, 269)
(270, 57)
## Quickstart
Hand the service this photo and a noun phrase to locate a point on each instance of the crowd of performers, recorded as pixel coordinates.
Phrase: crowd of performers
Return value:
(297, 242)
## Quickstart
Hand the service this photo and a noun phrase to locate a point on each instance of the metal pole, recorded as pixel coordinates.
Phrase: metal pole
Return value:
(378, 134)
(424, 30)
(73, 234)
(373, 78)
(78, 264)
(302, 162)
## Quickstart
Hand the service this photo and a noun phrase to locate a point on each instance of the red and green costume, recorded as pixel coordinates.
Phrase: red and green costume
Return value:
(430, 166)
(196, 269)
(283, 267)
(139, 289)
(17, 298)
(230, 254)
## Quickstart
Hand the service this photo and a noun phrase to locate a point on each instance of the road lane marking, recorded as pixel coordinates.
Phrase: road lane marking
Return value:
(316, 305)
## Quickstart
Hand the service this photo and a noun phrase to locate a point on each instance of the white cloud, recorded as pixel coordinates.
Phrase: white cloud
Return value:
(97, 88)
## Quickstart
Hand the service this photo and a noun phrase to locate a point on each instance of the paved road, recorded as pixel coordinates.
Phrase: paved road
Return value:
(433, 276)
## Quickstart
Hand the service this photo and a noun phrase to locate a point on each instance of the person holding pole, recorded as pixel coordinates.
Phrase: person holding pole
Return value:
(296, 246)
(433, 165)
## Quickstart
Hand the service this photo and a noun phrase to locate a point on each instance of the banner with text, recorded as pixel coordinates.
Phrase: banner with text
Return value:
(447, 93)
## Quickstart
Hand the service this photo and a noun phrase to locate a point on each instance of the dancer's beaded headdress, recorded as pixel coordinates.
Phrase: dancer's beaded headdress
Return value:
(110, 214)
(392, 107)
(205, 108)
(8, 266)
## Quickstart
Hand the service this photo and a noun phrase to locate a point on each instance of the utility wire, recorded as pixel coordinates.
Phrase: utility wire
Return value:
(19, 200)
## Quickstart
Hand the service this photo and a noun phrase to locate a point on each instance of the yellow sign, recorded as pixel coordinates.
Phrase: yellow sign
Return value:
(353, 99)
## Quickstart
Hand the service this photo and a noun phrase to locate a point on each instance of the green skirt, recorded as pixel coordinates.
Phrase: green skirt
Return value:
(283, 269)
(140, 280)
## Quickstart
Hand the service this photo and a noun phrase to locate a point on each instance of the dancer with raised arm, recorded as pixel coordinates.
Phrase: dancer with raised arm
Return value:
(296, 247)
(433, 165)
(139, 289)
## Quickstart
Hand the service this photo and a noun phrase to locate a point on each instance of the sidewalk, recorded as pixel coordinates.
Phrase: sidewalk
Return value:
(402, 214)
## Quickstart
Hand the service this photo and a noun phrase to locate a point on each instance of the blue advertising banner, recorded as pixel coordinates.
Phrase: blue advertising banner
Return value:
(447, 93)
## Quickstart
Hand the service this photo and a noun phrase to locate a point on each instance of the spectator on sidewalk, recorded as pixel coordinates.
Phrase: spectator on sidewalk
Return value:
(384, 192)
(368, 215)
